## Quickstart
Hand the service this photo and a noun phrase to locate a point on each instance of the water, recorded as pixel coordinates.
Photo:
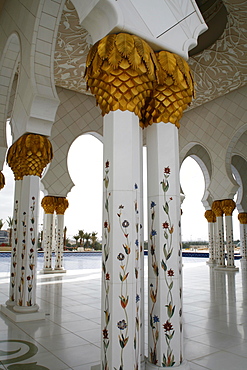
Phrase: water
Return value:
(77, 261)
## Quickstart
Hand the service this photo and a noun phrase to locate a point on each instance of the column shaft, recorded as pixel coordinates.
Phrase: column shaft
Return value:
(59, 244)
(229, 241)
(211, 242)
(121, 291)
(220, 247)
(14, 252)
(48, 232)
(164, 258)
(26, 245)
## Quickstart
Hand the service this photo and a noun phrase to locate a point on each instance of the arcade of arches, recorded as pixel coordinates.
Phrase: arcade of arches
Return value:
(130, 74)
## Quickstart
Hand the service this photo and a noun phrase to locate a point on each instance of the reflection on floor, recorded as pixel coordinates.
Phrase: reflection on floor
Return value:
(215, 321)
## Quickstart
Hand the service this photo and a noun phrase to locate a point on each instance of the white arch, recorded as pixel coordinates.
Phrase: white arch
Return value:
(8, 67)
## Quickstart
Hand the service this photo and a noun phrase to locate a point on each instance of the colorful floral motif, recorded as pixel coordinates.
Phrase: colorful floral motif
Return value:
(168, 358)
(106, 275)
(123, 276)
(14, 254)
(137, 272)
(23, 252)
(153, 319)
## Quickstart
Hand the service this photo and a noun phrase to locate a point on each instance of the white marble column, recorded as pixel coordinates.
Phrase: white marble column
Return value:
(228, 206)
(27, 157)
(121, 295)
(165, 330)
(49, 204)
(210, 216)
(27, 241)
(242, 217)
(14, 252)
(220, 247)
(61, 206)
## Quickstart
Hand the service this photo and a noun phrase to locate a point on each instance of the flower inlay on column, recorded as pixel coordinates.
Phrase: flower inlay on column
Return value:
(228, 206)
(2, 180)
(61, 206)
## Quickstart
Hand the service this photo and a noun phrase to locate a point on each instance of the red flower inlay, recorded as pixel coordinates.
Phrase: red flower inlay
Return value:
(167, 326)
(167, 170)
(170, 272)
(165, 225)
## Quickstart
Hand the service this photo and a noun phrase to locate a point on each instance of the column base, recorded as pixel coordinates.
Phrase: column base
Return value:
(243, 263)
(211, 262)
(220, 268)
(46, 271)
(59, 270)
(143, 367)
(22, 316)
(183, 366)
(10, 303)
(232, 269)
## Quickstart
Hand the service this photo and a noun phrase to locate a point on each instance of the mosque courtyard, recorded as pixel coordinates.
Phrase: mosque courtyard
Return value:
(215, 318)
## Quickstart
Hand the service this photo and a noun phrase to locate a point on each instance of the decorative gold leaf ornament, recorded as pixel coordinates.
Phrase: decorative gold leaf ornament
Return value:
(210, 216)
(172, 94)
(228, 206)
(242, 217)
(120, 72)
(61, 205)
(49, 204)
(29, 155)
(2, 180)
(216, 208)
(123, 72)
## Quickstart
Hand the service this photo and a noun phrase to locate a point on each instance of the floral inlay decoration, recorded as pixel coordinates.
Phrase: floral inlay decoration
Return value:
(168, 358)
(153, 291)
(106, 276)
(14, 254)
(123, 258)
(138, 293)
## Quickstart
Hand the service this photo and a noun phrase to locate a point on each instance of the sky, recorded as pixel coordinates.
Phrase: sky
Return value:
(85, 198)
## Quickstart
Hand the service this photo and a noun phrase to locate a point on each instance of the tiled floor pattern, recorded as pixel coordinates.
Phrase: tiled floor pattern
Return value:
(215, 321)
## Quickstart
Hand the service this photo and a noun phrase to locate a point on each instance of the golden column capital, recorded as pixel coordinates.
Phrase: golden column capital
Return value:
(210, 216)
(216, 208)
(228, 206)
(172, 93)
(2, 180)
(61, 205)
(242, 217)
(29, 155)
(49, 204)
(120, 71)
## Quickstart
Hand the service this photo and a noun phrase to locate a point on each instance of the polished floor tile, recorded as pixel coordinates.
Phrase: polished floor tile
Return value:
(215, 320)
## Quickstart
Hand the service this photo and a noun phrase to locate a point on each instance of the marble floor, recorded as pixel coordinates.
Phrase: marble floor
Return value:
(215, 320)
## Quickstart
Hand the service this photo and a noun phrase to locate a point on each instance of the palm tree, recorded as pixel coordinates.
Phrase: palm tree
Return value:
(94, 238)
(87, 236)
(64, 237)
(10, 225)
(81, 237)
(76, 237)
(1, 223)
